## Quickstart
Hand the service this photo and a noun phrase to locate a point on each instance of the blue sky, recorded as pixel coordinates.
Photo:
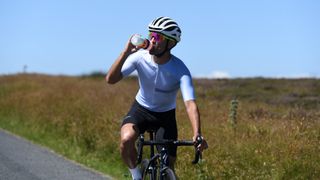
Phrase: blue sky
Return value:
(220, 38)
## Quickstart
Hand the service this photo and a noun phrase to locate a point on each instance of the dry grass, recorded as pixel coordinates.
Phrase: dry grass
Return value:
(277, 135)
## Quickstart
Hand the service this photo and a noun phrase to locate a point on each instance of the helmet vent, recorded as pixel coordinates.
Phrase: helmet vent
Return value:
(170, 28)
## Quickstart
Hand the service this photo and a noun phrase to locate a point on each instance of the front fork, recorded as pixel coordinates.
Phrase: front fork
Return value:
(164, 162)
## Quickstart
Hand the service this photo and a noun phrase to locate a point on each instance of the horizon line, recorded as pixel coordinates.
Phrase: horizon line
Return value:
(100, 73)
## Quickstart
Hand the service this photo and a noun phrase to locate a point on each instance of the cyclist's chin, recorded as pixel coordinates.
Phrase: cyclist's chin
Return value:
(152, 51)
(155, 52)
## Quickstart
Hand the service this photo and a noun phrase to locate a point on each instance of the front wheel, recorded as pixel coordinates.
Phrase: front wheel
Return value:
(168, 174)
(147, 172)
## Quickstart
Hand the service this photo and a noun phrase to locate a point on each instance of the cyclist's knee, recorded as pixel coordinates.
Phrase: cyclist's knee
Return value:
(128, 135)
(127, 140)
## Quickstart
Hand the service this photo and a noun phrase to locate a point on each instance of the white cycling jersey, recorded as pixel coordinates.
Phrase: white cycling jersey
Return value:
(159, 84)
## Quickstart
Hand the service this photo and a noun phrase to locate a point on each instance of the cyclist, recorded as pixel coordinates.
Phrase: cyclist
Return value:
(161, 74)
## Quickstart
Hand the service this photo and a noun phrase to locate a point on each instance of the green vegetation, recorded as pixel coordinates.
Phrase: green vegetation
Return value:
(276, 134)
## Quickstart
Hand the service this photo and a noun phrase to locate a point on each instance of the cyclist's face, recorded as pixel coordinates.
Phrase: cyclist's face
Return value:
(159, 42)
(157, 47)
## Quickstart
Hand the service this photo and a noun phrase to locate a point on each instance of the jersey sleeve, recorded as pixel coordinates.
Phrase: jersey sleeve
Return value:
(129, 65)
(187, 89)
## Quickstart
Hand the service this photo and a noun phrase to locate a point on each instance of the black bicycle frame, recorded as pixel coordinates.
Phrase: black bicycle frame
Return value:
(163, 155)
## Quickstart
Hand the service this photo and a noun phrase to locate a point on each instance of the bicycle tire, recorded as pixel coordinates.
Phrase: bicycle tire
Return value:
(145, 174)
(144, 164)
(169, 174)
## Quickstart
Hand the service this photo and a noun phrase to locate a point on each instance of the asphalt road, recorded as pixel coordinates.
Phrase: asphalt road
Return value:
(22, 160)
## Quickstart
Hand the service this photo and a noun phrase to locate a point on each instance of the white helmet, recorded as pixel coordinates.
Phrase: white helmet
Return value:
(167, 27)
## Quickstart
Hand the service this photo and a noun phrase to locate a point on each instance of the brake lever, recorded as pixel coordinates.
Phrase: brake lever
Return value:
(198, 154)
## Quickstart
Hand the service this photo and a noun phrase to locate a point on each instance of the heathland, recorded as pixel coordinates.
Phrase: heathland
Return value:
(272, 133)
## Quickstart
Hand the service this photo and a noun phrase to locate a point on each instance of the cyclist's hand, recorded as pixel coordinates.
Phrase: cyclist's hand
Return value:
(130, 48)
(200, 143)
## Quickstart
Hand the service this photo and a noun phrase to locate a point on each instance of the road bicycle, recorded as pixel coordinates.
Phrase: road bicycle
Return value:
(157, 166)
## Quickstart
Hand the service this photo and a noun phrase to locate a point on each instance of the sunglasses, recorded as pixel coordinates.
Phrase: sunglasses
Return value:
(158, 37)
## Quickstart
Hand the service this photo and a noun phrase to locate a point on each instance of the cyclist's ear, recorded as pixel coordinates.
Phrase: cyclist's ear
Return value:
(171, 44)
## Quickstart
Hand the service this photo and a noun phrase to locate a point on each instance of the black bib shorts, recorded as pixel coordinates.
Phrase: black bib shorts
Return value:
(164, 123)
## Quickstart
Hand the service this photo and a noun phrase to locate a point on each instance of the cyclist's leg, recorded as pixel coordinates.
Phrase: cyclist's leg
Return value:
(162, 133)
(129, 134)
(168, 130)
(132, 125)
(172, 161)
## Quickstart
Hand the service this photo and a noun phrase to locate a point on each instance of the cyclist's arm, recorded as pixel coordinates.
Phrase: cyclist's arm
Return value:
(194, 116)
(114, 74)
(187, 91)
(192, 109)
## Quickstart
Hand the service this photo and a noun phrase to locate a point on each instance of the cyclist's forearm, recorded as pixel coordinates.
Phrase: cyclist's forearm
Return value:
(194, 116)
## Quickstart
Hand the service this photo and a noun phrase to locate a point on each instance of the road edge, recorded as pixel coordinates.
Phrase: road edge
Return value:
(57, 154)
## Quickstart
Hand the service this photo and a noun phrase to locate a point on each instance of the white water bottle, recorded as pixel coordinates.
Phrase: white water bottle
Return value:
(141, 42)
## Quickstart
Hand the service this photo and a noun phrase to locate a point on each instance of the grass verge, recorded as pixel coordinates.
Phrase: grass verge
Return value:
(276, 134)
(47, 137)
